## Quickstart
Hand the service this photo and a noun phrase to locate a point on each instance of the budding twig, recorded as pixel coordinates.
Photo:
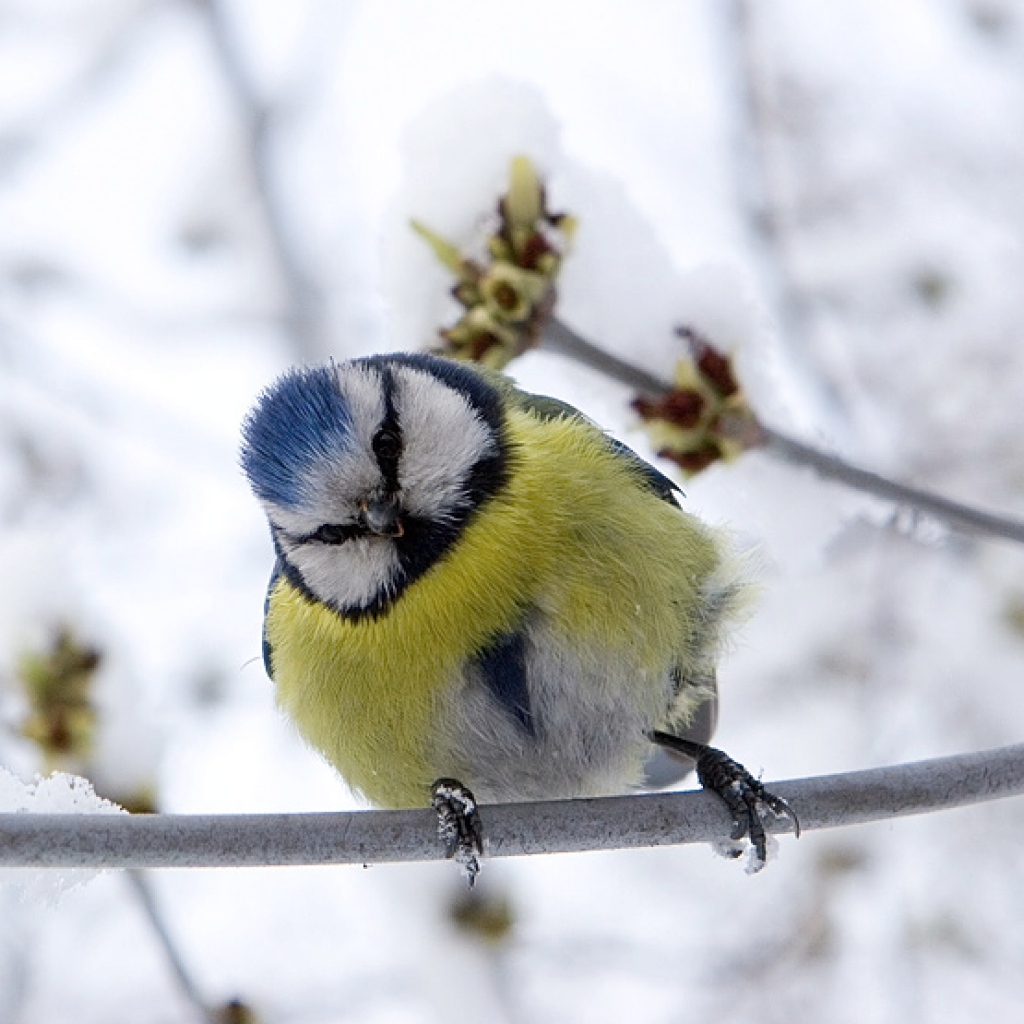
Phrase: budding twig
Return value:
(559, 337)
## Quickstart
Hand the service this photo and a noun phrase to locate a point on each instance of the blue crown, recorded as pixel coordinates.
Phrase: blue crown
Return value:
(299, 421)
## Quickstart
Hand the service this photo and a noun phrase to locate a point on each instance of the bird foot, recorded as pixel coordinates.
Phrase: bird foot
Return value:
(458, 825)
(743, 794)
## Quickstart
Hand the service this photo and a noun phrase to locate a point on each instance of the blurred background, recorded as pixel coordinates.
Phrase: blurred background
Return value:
(195, 194)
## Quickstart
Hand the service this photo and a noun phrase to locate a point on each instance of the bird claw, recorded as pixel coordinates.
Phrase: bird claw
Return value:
(743, 795)
(458, 825)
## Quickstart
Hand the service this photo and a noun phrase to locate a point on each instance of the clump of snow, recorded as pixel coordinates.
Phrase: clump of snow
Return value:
(456, 158)
(618, 287)
(57, 793)
(717, 301)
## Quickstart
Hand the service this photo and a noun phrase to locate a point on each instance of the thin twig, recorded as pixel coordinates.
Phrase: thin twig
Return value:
(559, 337)
(559, 826)
(956, 516)
(304, 298)
(143, 890)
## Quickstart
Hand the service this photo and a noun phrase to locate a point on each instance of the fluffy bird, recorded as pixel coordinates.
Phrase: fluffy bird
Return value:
(479, 594)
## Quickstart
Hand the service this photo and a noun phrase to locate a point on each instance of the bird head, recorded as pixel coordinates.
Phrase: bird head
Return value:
(369, 469)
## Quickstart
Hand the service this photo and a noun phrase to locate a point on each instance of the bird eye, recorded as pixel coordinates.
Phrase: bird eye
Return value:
(334, 533)
(387, 445)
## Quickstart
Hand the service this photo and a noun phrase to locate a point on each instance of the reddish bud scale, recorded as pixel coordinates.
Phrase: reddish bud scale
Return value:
(714, 366)
(535, 247)
(717, 370)
(482, 344)
(682, 407)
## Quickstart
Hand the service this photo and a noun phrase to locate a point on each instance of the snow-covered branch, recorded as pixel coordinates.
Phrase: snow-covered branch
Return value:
(562, 826)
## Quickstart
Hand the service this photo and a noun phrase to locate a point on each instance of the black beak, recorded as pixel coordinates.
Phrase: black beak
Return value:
(381, 516)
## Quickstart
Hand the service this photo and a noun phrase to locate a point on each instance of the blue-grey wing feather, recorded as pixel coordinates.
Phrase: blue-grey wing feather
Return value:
(547, 408)
(661, 485)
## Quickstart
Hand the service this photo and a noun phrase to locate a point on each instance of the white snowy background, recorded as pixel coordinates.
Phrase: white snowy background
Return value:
(193, 197)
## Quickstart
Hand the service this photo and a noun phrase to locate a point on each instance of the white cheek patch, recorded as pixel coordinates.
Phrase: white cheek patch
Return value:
(442, 440)
(353, 574)
(291, 522)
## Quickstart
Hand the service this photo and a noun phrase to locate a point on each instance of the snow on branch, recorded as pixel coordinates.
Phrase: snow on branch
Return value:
(562, 826)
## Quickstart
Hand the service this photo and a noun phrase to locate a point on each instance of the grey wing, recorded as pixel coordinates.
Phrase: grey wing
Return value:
(551, 408)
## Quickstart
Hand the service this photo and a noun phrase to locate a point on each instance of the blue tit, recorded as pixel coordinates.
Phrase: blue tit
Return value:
(478, 584)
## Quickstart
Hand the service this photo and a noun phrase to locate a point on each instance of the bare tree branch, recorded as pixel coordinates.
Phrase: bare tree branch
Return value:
(560, 338)
(953, 514)
(560, 826)
(304, 299)
(144, 891)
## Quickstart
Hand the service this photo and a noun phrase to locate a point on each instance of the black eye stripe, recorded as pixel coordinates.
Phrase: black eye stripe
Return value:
(335, 533)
